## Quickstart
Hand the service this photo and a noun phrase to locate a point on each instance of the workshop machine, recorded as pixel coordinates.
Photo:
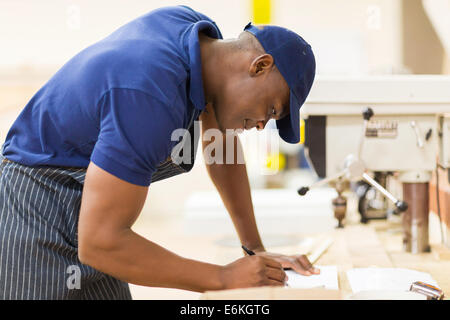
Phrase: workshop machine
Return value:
(363, 131)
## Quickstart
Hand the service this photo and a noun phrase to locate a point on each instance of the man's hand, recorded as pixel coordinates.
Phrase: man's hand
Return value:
(253, 271)
(298, 263)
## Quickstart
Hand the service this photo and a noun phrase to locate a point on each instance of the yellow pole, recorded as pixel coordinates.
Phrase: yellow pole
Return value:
(261, 11)
(302, 131)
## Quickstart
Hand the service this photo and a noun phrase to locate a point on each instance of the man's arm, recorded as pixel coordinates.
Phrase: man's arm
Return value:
(110, 206)
(232, 183)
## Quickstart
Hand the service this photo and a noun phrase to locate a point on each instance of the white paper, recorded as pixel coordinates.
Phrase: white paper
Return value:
(328, 279)
(396, 279)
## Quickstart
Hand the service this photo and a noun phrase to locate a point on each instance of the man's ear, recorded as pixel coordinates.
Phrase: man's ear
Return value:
(261, 64)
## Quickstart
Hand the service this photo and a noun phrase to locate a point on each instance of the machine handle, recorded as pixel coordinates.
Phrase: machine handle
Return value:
(417, 132)
(401, 205)
(303, 190)
(367, 114)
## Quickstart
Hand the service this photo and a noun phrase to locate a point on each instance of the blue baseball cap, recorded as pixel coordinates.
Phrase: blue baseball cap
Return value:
(295, 60)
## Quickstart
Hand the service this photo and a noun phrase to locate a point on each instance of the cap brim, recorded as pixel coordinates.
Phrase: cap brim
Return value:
(289, 126)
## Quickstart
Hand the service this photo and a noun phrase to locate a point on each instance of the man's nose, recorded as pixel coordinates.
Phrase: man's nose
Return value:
(260, 125)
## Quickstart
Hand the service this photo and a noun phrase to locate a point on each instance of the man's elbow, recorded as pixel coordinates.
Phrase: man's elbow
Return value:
(85, 252)
(84, 255)
(92, 248)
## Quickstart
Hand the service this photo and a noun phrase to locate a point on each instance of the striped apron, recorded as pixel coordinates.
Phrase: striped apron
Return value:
(39, 210)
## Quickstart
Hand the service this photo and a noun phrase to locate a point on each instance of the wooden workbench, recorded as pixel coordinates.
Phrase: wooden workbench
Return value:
(378, 243)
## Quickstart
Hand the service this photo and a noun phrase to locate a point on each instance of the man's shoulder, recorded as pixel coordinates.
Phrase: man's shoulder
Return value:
(178, 11)
(146, 104)
(135, 64)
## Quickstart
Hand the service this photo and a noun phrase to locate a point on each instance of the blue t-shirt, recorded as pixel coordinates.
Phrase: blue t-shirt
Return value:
(117, 102)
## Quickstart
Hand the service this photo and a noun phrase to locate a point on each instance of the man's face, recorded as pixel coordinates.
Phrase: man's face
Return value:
(252, 101)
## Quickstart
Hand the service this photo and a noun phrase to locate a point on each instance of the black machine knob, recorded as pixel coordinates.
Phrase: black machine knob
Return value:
(302, 191)
(428, 135)
(401, 206)
(367, 113)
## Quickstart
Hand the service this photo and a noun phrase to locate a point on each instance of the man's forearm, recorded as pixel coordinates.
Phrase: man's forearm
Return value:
(134, 259)
(232, 183)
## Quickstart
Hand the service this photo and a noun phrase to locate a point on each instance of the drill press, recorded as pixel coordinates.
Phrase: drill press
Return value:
(398, 136)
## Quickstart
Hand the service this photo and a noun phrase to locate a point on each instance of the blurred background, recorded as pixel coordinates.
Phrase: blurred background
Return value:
(349, 37)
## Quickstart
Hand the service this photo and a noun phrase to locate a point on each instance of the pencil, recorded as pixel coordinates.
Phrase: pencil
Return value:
(249, 252)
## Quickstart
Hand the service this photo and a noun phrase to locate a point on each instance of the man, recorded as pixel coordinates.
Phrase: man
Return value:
(80, 157)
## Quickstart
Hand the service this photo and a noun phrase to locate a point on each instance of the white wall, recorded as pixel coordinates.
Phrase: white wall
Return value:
(351, 36)
(37, 37)
(348, 37)
(49, 32)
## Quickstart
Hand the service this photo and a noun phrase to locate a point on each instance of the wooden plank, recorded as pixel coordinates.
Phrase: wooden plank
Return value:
(441, 252)
(365, 248)
(272, 293)
(323, 243)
